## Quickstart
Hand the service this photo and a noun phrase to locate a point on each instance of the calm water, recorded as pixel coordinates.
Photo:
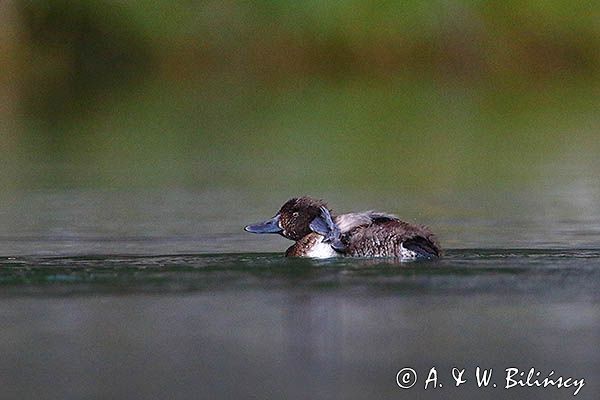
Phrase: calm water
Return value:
(131, 294)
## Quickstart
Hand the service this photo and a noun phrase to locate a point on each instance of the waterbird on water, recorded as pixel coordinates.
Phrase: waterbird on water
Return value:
(320, 234)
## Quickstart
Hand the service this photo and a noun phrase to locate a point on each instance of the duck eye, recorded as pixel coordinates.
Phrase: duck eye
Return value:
(295, 215)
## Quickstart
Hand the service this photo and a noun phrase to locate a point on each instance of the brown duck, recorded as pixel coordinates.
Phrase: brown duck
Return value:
(320, 234)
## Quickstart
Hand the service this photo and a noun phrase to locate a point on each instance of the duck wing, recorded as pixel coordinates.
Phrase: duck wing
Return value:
(350, 221)
(384, 235)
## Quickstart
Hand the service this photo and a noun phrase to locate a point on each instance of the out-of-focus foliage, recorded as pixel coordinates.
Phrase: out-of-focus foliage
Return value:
(425, 94)
(478, 37)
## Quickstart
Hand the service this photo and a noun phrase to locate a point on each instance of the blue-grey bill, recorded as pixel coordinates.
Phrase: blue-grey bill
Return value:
(269, 226)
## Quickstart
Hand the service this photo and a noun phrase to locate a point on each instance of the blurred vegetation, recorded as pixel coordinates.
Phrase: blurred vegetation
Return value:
(416, 94)
(457, 38)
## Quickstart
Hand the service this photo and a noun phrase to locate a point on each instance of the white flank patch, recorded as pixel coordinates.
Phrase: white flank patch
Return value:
(406, 254)
(321, 250)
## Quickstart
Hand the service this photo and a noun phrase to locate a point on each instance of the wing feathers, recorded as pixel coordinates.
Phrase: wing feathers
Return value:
(347, 222)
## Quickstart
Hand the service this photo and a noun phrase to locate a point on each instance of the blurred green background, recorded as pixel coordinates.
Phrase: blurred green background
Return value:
(299, 96)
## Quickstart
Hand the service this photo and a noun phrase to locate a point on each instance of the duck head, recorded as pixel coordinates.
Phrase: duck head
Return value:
(299, 217)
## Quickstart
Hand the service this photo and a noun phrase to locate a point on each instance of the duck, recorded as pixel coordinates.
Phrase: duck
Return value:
(318, 233)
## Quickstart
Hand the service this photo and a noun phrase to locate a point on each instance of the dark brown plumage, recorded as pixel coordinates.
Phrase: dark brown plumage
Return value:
(395, 238)
(317, 233)
(303, 246)
(297, 214)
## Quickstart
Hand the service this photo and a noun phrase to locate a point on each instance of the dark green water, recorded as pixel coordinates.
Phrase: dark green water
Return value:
(140, 295)
(260, 326)
(125, 272)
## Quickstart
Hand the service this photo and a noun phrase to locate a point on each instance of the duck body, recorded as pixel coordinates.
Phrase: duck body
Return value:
(313, 246)
(371, 234)
(319, 234)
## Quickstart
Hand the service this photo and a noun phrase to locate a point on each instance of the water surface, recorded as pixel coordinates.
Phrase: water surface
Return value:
(162, 295)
